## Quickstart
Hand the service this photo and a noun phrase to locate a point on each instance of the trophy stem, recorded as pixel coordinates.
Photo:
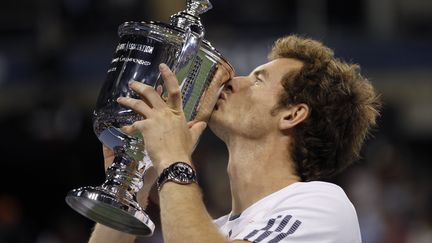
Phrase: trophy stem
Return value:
(114, 202)
(124, 178)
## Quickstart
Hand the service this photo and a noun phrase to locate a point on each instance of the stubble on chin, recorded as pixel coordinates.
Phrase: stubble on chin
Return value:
(217, 124)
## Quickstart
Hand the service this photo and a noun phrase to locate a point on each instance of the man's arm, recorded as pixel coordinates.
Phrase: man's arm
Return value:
(104, 234)
(184, 216)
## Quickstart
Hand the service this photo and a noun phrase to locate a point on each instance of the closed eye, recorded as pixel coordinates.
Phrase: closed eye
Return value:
(260, 75)
(258, 81)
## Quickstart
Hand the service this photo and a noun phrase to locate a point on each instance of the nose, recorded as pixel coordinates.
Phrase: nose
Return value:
(236, 84)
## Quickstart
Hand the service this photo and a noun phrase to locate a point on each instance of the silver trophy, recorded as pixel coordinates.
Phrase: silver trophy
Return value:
(201, 72)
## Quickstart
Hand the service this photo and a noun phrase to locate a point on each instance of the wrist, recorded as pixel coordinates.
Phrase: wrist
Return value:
(178, 172)
(166, 162)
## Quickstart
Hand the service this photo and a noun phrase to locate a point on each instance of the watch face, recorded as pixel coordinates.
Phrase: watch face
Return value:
(183, 173)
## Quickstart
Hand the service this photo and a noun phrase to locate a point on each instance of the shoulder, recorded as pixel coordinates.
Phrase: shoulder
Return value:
(318, 200)
(309, 193)
(323, 208)
(307, 196)
(301, 212)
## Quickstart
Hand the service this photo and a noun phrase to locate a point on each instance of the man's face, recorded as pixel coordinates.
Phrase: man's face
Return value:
(246, 102)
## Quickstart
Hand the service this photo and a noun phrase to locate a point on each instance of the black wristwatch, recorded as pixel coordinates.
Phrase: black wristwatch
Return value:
(179, 172)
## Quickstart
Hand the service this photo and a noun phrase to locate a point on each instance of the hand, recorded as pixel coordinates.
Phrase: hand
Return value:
(167, 135)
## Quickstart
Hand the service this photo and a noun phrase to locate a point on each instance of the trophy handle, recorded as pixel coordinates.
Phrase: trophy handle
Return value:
(189, 21)
(196, 7)
(192, 42)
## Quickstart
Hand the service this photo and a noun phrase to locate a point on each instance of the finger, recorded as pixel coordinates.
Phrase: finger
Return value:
(138, 106)
(148, 93)
(131, 131)
(107, 152)
(140, 126)
(196, 130)
(127, 129)
(172, 86)
(191, 123)
(159, 90)
(108, 155)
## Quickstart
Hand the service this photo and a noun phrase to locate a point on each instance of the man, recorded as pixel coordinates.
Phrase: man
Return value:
(299, 118)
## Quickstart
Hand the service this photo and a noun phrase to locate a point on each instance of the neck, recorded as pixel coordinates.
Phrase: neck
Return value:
(257, 168)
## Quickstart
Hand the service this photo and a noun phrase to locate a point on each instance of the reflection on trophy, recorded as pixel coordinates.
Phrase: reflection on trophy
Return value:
(201, 72)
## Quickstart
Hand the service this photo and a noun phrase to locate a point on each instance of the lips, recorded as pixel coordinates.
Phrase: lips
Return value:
(222, 96)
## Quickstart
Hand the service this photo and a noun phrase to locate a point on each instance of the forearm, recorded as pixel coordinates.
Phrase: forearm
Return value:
(184, 216)
(104, 234)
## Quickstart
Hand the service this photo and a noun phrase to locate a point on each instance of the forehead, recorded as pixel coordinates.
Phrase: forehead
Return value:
(277, 68)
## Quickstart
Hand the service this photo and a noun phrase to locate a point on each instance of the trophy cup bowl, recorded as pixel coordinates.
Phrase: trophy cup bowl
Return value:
(201, 72)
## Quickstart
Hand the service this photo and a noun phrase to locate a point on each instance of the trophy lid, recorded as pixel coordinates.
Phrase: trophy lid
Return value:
(190, 16)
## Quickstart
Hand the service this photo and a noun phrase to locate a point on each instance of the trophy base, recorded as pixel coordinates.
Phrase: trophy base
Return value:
(100, 206)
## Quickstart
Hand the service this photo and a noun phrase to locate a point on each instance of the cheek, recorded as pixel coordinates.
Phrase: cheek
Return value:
(254, 125)
(254, 114)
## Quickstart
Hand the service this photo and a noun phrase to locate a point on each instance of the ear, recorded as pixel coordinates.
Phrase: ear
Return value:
(293, 115)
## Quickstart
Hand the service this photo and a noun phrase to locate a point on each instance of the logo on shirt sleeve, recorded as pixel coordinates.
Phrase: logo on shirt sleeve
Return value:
(275, 230)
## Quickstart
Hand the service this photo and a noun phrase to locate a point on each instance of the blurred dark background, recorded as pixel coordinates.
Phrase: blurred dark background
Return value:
(54, 55)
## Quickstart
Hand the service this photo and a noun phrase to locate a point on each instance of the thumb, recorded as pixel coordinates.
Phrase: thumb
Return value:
(196, 130)
(108, 155)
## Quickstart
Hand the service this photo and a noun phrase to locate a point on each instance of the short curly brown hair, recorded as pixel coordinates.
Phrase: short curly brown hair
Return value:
(343, 107)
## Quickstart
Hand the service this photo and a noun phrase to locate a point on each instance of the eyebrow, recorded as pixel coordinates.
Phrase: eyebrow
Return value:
(263, 72)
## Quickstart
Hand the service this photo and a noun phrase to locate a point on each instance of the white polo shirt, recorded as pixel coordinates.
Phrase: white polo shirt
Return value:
(305, 212)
